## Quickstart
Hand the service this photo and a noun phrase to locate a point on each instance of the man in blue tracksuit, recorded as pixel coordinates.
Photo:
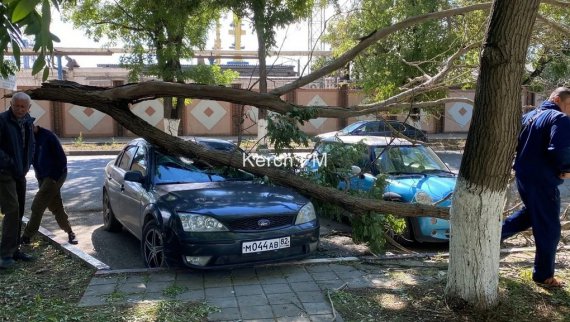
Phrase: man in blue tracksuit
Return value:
(542, 161)
(16, 151)
(50, 165)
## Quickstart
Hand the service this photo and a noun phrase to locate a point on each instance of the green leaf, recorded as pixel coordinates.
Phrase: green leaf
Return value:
(38, 64)
(46, 74)
(23, 9)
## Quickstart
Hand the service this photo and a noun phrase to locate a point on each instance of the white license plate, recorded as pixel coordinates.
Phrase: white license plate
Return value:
(265, 245)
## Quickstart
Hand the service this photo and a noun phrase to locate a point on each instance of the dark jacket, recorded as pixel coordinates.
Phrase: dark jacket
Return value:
(543, 150)
(15, 158)
(49, 158)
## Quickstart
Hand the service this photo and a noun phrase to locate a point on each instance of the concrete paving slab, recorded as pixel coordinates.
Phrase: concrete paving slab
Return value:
(190, 284)
(225, 314)
(325, 276)
(283, 298)
(311, 297)
(324, 318)
(158, 286)
(256, 312)
(223, 302)
(287, 310)
(241, 290)
(252, 300)
(276, 288)
(130, 288)
(317, 308)
(155, 296)
(304, 286)
(267, 280)
(100, 289)
(294, 319)
(191, 296)
(226, 291)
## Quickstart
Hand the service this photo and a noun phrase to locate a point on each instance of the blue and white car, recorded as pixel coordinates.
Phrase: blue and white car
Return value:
(414, 174)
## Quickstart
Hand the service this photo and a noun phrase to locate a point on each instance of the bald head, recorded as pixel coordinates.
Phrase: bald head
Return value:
(561, 97)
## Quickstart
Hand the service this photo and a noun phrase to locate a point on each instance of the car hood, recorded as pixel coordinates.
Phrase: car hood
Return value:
(230, 198)
(328, 134)
(407, 186)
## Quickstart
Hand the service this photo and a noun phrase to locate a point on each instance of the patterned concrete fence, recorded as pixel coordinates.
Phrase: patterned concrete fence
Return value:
(213, 118)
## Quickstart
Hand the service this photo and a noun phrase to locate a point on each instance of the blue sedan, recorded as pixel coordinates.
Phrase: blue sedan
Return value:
(414, 174)
(186, 211)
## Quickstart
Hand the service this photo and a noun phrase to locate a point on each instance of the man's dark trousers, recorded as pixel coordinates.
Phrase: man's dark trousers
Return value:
(12, 201)
(541, 212)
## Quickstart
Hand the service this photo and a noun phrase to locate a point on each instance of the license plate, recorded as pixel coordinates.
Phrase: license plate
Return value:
(265, 245)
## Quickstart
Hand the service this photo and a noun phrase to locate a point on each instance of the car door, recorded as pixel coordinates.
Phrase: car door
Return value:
(134, 193)
(115, 179)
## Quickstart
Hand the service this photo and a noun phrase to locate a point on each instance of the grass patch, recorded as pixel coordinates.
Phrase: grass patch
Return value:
(519, 300)
(49, 289)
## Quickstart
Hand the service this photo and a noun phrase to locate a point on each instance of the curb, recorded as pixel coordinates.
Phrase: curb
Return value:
(70, 249)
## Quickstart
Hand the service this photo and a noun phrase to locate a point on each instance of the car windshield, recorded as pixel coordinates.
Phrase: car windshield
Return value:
(351, 127)
(175, 169)
(408, 159)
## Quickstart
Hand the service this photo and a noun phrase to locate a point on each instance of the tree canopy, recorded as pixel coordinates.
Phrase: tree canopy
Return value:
(20, 19)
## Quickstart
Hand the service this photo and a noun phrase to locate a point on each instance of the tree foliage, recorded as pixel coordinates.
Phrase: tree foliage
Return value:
(386, 68)
(26, 18)
(158, 35)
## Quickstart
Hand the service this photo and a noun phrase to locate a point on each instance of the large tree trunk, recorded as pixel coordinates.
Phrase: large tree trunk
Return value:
(259, 18)
(480, 192)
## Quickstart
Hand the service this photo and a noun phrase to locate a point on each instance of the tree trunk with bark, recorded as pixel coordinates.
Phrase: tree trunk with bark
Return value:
(259, 17)
(479, 196)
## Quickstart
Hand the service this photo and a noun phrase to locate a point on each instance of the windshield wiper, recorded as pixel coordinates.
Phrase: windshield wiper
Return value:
(399, 173)
(439, 171)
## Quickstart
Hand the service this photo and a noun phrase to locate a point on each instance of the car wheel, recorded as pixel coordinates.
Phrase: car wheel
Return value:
(110, 223)
(152, 246)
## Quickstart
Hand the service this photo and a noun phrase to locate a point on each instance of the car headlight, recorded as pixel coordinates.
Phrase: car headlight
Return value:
(200, 223)
(423, 197)
(306, 214)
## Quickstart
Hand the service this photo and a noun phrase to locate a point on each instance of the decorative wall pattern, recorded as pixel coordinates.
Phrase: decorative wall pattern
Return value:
(86, 116)
(317, 101)
(150, 111)
(37, 111)
(208, 113)
(461, 113)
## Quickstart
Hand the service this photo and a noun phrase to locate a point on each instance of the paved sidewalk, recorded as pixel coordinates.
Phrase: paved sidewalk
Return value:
(266, 293)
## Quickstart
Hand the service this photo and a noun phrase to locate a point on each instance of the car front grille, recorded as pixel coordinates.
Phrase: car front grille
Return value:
(253, 223)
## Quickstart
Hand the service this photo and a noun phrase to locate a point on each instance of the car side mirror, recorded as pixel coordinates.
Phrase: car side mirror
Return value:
(134, 176)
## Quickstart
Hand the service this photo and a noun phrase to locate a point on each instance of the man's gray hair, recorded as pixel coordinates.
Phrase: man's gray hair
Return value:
(21, 96)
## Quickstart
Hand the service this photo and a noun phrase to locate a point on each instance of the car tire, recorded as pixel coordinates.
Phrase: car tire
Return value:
(110, 222)
(156, 249)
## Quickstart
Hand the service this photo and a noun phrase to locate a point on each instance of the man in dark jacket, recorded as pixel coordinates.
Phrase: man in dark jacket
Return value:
(542, 161)
(16, 151)
(50, 165)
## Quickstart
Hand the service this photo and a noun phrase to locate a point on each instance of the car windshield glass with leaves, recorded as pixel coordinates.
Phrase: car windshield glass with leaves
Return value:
(175, 169)
(351, 127)
(408, 159)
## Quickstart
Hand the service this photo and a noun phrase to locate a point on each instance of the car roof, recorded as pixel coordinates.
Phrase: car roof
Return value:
(200, 140)
(368, 140)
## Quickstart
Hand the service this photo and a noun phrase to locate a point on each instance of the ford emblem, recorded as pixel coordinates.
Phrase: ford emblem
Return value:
(263, 222)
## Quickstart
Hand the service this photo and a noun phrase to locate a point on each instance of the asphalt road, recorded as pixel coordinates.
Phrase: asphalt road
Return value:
(82, 197)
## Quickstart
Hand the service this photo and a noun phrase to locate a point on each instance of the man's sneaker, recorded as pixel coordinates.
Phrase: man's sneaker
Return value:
(25, 240)
(6, 262)
(21, 256)
(71, 238)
